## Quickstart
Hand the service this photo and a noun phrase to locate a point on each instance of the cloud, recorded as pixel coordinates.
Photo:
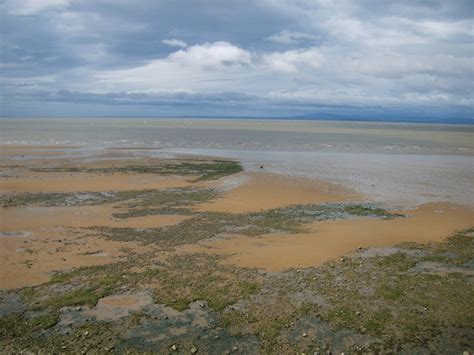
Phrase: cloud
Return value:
(289, 61)
(174, 43)
(270, 52)
(31, 7)
(211, 54)
(289, 37)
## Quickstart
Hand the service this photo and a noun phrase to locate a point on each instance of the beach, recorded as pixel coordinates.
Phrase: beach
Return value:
(177, 238)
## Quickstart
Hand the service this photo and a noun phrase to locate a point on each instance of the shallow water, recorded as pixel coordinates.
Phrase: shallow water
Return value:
(398, 180)
(398, 164)
(283, 135)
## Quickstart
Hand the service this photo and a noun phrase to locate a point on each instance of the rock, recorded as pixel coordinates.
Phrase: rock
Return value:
(174, 347)
(261, 166)
(194, 350)
(78, 308)
(305, 335)
(216, 337)
(358, 313)
(342, 259)
(86, 333)
(235, 348)
(202, 305)
(363, 330)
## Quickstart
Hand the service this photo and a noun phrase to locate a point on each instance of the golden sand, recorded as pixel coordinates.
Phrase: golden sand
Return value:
(332, 239)
(37, 241)
(263, 191)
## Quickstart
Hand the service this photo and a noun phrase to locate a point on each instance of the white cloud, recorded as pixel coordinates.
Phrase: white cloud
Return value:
(175, 42)
(30, 7)
(289, 61)
(211, 54)
(199, 67)
(289, 37)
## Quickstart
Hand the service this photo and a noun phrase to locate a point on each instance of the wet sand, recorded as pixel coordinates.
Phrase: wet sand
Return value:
(36, 241)
(78, 182)
(261, 191)
(332, 239)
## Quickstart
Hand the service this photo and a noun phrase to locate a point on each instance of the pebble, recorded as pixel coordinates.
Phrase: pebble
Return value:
(358, 313)
(305, 335)
(342, 259)
(78, 308)
(194, 350)
(235, 348)
(174, 347)
(86, 333)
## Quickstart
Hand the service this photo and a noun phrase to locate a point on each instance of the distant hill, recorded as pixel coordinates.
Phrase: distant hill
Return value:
(432, 120)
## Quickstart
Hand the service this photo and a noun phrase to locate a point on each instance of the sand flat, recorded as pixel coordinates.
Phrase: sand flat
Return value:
(261, 191)
(92, 182)
(39, 240)
(32, 260)
(334, 238)
(33, 218)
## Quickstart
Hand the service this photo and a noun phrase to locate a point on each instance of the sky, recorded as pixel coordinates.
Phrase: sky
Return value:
(245, 58)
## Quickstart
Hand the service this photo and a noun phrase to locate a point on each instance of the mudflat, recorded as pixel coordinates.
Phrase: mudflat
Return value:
(122, 252)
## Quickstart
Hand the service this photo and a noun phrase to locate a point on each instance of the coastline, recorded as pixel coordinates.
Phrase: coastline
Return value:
(246, 192)
(128, 233)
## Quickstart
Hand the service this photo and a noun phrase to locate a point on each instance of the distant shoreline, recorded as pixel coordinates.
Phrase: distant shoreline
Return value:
(419, 121)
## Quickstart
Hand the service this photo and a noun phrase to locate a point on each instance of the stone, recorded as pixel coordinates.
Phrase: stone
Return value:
(194, 350)
(86, 333)
(174, 347)
(305, 335)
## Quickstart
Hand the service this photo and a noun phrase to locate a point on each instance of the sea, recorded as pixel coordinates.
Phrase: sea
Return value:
(394, 164)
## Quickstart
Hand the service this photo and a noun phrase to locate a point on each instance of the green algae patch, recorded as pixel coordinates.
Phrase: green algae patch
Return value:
(137, 202)
(200, 169)
(205, 225)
